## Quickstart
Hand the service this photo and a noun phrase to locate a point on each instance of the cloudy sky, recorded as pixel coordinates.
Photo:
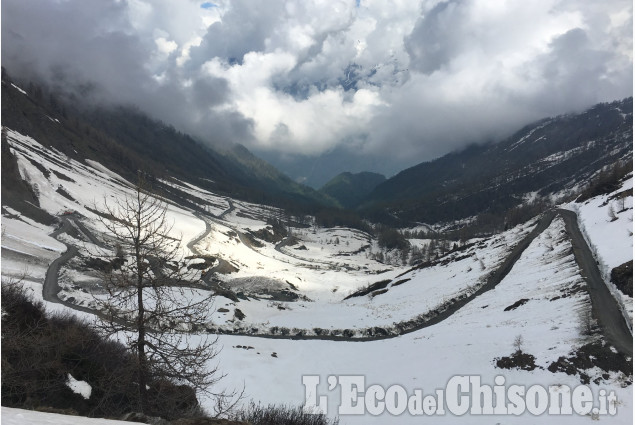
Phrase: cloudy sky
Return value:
(405, 79)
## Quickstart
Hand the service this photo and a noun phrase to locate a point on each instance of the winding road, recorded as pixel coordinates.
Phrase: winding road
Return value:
(231, 208)
(50, 287)
(245, 240)
(605, 307)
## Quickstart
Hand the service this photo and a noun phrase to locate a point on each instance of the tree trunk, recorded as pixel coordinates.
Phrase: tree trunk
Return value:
(141, 326)
(141, 354)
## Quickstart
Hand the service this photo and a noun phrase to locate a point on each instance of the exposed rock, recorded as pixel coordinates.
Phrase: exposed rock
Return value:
(622, 277)
(143, 418)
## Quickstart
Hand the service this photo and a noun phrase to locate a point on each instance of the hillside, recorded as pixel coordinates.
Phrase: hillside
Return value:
(349, 189)
(262, 175)
(126, 140)
(550, 157)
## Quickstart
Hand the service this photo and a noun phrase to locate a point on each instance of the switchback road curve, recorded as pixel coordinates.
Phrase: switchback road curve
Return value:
(605, 307)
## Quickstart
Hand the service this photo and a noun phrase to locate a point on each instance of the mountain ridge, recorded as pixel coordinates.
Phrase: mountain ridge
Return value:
(350, 188)
(550, 156)
(126, 140)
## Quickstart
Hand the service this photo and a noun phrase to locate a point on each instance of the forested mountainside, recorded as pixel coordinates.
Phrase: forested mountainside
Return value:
(551, 156)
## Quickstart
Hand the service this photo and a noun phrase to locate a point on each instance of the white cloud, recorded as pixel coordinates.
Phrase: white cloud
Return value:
(312, 124)
(165, 46)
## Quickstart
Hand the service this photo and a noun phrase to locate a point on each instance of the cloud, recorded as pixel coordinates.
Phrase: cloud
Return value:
(412, 80)
(436, 37)
(480, 70)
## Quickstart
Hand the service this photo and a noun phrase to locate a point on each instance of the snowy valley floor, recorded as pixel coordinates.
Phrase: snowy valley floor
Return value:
(465, 344)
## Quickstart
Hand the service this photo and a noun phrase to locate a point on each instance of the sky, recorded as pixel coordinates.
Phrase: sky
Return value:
(402, 80)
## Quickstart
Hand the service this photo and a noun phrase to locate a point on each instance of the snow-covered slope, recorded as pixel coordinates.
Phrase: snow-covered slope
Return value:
(298, 282)
(608, 220)
(12, 416)
(467, 343)
(607, 223)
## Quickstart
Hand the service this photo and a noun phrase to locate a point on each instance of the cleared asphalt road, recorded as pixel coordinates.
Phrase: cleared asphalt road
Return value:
(605, 307)
(50, 289)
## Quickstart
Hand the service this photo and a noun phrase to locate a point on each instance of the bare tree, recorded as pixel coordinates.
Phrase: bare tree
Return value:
(518, 344)
(587, 323)
(152, 302)
(611, 213)
(621, 204)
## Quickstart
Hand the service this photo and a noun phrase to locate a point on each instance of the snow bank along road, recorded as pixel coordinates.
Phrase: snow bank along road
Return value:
(605, 307)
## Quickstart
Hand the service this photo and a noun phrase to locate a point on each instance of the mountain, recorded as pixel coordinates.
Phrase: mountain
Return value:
(234, 168)
(551, 156)
(317, 170)
(125, 140)
(349, 189)
(291, 295)
(268, 179)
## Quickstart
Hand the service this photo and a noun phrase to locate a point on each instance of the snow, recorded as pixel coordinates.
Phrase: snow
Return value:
(466, 343)
(97, 166)
(11, 416)
(82, 388)
(610, 239)
(426, 290)
(613, 239)
(325, 266)
(27, 249)
(562, 156)
(19, 89)
(214, 204)
(531, 132)
(25, 231)
(326, 284)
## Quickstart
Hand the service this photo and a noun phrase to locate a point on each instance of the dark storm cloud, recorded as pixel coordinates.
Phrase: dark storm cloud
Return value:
(244, 29)
(74, 44)
(481, 74)
(71, 40)
(208, 91)
(434, 39)
(573, 71)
